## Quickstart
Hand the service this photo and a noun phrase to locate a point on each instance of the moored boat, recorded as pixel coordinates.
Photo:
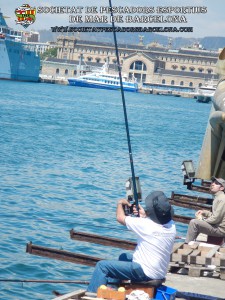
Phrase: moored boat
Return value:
(103, 80)
(19, 61)
(204, 94)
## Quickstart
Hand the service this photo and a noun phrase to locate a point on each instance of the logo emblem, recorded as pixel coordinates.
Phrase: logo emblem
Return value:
(26, 15)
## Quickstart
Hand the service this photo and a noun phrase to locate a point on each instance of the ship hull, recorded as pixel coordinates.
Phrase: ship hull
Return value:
(204, 99)
(18, 62)
(81, 83)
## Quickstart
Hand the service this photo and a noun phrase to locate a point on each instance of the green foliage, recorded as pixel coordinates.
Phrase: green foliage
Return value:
(49, 53)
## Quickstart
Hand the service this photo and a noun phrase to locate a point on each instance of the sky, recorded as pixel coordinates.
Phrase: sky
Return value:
(211, 22)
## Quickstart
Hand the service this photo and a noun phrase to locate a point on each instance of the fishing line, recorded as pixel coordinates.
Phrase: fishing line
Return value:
(117, 229)
(77, 223)
(124, 110)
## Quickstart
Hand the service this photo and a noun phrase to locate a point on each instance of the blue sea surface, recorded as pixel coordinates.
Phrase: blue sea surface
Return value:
(64, 161)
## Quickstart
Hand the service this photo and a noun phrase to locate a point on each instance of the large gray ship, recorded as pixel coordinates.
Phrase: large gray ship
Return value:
(18, 60)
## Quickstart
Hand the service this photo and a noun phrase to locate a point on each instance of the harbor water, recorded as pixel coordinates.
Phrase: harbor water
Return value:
(64, 161)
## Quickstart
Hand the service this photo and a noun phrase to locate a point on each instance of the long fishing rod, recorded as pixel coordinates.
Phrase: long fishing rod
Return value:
(125, 111)
(45, 281)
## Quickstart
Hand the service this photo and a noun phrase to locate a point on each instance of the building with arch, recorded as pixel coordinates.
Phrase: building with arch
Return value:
(150, 64)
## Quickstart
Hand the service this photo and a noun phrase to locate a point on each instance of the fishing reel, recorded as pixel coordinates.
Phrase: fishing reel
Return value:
(188, 171)
(128, 210)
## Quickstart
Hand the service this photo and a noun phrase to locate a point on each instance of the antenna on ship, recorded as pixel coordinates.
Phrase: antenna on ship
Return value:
(125, 111)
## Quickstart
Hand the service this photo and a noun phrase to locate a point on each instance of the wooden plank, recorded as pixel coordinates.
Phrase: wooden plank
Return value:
(201, 260)
(222, 273)
(216, 261)
(176, 246)
(222, 262)
(102, 240)
(182, 219)
(72, 295)
(219, 254)
(90, 298)
(194, 271)
(190, 205)
(205, 248)
(186, 255)
(195, 245)
(193, 256)
(210, 254)
(222, 250)
(205, 182)
(189, 198)
(201, 189)
(62, 255)
(181, 257)
(175, 257)
(186, 251)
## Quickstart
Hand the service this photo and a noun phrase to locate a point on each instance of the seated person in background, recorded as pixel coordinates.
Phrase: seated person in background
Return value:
(210, 223)
(155, 232)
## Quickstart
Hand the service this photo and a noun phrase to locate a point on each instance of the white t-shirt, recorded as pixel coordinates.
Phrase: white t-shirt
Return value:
(154, 245)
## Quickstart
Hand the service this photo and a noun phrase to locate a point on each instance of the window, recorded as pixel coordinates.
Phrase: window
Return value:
(181, 83)
(172, 82)
(143, 77)
(163, 81)
(138, 65)
(66, 72)
(191, 84)
(57, 71)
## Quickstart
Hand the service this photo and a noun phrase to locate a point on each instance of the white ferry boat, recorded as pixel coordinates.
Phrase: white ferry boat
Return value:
(205, 93)
(103, 80)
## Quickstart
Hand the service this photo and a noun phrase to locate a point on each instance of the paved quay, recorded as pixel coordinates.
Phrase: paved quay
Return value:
(200, 285)
(206, 286)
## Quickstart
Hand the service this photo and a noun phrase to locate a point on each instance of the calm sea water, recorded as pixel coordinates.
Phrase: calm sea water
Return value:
(64, 162)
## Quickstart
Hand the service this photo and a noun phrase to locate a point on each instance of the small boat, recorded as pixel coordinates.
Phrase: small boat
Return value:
(204, 94)
(103, 80)
(167, 93)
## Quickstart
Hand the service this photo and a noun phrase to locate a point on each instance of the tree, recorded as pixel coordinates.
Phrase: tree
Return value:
(52, 52)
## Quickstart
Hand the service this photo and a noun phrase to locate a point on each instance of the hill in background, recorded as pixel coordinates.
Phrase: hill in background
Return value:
(209, 43)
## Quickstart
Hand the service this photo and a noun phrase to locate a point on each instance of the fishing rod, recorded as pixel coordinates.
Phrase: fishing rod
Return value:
(125, 111)
(45, 281)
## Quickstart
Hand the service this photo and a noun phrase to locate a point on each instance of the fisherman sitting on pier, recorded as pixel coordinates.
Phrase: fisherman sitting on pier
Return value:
(155, 232)
(210, 223)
